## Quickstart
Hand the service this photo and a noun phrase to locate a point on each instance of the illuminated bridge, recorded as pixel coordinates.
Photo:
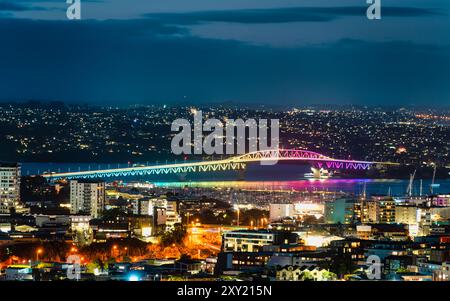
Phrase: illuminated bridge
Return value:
(239, 162)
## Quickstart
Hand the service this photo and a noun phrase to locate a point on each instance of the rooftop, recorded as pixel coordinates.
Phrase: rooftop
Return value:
(9, 164)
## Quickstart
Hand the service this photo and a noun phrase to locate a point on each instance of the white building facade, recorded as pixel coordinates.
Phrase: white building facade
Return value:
(87, 197)
(9, 186)
(279, 211)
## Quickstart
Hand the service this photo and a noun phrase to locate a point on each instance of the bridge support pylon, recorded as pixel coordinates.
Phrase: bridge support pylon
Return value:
(241, 173)
(182, 176)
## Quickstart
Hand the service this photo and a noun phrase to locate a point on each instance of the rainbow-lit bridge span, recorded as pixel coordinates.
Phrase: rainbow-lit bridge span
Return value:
(233, 163)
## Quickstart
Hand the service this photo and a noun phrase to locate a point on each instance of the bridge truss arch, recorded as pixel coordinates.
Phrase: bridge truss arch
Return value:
(233, 163)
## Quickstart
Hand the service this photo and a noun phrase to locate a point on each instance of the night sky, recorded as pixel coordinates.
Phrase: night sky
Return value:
(299, 52)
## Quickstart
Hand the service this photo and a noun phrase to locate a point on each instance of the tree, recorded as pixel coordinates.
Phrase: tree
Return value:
(402, 270)
(126, 259)
(176, 236)
(342, 264)
(306, 276)
(184, 257)
(311, 220)
(92, 266)
(83, 238)
(329, 275)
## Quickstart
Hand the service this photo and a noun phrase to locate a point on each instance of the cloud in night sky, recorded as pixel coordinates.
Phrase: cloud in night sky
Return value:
(11, 6)
(285, 15)
(201, 56)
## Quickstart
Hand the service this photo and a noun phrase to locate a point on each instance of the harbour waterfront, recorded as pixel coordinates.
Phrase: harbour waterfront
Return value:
(352, 186)
(283, 177)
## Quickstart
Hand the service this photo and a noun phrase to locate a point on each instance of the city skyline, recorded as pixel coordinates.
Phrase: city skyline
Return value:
(284, 52)
(37, 132)
(227, 147)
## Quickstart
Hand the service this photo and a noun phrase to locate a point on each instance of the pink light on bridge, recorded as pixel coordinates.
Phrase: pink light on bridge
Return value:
(343, 165)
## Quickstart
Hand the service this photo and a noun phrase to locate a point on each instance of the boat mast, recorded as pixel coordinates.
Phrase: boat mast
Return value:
(421, 187)
(410, 186)
(434, 177)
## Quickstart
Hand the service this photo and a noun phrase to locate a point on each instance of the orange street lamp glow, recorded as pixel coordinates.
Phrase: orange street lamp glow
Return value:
(38, 251)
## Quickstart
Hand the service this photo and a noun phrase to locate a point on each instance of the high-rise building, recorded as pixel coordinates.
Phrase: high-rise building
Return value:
(387, 211)
(381, 210)
(360, 212)
(279, 211)
(255, 240)
(159, 219)
(372, 211)
(143, 206)
(339, 211)
(9, 186)
(87, 197)
(172, 215)
(409, 215)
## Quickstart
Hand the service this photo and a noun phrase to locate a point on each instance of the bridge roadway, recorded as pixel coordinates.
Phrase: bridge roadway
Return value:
(233, 163)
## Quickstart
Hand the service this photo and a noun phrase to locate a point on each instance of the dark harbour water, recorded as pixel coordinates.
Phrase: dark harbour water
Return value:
(353, 186)
(279, 177)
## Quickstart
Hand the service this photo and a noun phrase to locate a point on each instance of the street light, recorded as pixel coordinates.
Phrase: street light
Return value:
(114, 250)
(38, 251)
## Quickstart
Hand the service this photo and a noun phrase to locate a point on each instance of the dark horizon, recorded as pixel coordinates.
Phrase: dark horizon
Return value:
(227, 104)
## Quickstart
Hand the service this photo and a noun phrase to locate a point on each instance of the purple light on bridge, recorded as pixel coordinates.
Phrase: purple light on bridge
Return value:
(343, 165)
